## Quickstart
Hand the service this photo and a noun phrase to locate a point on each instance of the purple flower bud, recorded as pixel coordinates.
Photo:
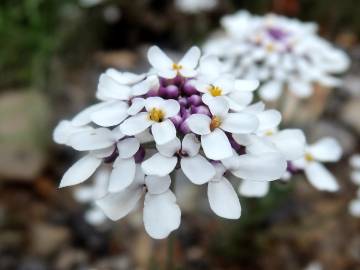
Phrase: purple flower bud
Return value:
(184, 128)
(162, 91)
(237, 147)
(291, 168)
(172, 91)
(112, 157)
(177, 120)
(164, 82)
(183, 102)
(139, 155)
(152, 93)
(194, 100)
(178, 80)
(189, 89)
(202, 109)
(185, 113)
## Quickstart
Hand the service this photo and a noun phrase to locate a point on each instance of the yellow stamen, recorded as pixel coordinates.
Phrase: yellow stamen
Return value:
(270, 47)
(215, 91)
(215, 122)
(156, 115)
(176, 67)
(269, 133)
(309, 157)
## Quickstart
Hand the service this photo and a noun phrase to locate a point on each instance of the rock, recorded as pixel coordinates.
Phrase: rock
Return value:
(23, 123)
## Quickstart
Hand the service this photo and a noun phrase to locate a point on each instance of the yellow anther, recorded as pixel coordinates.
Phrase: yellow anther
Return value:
(176, 67)
(270, 47)
(215, 91)
(269, 133)
(215, 122)
(309, 157)
(156, 115)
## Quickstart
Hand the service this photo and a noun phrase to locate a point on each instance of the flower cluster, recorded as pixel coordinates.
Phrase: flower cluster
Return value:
(188, 115)
(325, 150)
(282, 53)
(354, 207)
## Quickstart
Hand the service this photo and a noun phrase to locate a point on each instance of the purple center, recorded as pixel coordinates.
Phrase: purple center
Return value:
(277, 33)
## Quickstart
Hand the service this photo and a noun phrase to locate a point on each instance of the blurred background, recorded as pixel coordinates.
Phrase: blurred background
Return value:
(51, 54)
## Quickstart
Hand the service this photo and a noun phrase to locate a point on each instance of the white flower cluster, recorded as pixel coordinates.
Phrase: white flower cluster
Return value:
(282, 53)
(186, 115)
(354, 206)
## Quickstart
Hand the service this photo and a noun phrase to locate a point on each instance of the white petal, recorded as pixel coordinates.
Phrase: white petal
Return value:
(271, 90)
(188, 73)
(167, 73)
(300, 88)
(101, 182)
(137, 104)
(163, 132)
(142, 88)
(355, 161)
(198, 169)
(171, 107)
(161, 214)
(124, 77)
(290, 142)
(190, 145)
(135, 124)
(128, 147)
(154, 102)
(199, 123)
(159, 165)
(122, 175)
(84, 194)
(210, 66)
(111, 114)
(246, 85)
(223, 199)
(65, 129)
(326, 149)
(250, 188)
(110, 88)
(355, 177)
(83, 117)
(218, 106)
(156, 184)
(239, 100)
(91, 140)
(118, 205)
(80, 171)
(191, 58)
(239, 123)
(169, 149)
(354, 208)
(269, 119)
(158, 59)
(216, 145)
(320, 177)
(263, 167)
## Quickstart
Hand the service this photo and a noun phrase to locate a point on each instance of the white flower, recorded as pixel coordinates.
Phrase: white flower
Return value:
(212, 130)
(282, 53)
(167, 68)
(324, 150)
(158, 112)
(195, 6)
(195, 167)
(65, 129)
(161, 214)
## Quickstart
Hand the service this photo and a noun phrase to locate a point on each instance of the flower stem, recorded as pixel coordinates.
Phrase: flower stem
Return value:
(171, 237)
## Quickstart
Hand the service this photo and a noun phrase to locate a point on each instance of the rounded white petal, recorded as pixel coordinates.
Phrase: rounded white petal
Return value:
(239, 123)
(239, 100)
(199, 123)
(300, 88)
(128, 147)
(198, 169)
(154, 102)
(91, 140)
(187, 73)
(65, 129)
(210, 66)
(355, 177)
(83, 117)
(354, 208)
(246, 85)
(158, 59)
(118, 205)
(268, 119)
(191, 58)
(290, 142)
(156, 184)
(169, 149)
(271, 90)
(250, 188)
(80, 171)
(161, 214)
(159, 165)
(263, 167)
(163, 132)
(190, 145)
(122, 175)
(216, 145)
(171, 107)
(137, 104)
(124, 77)
(167, 73)
(110, 114)
(320, 177)
(223, 199)
(142, 88)
(136, 124)
(218, 106)
(355, 161)
(110, 88)
(101, 182)
(326, 149)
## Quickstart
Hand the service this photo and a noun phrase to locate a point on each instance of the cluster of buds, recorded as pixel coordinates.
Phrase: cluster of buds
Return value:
(188, 115)
(280, 52)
